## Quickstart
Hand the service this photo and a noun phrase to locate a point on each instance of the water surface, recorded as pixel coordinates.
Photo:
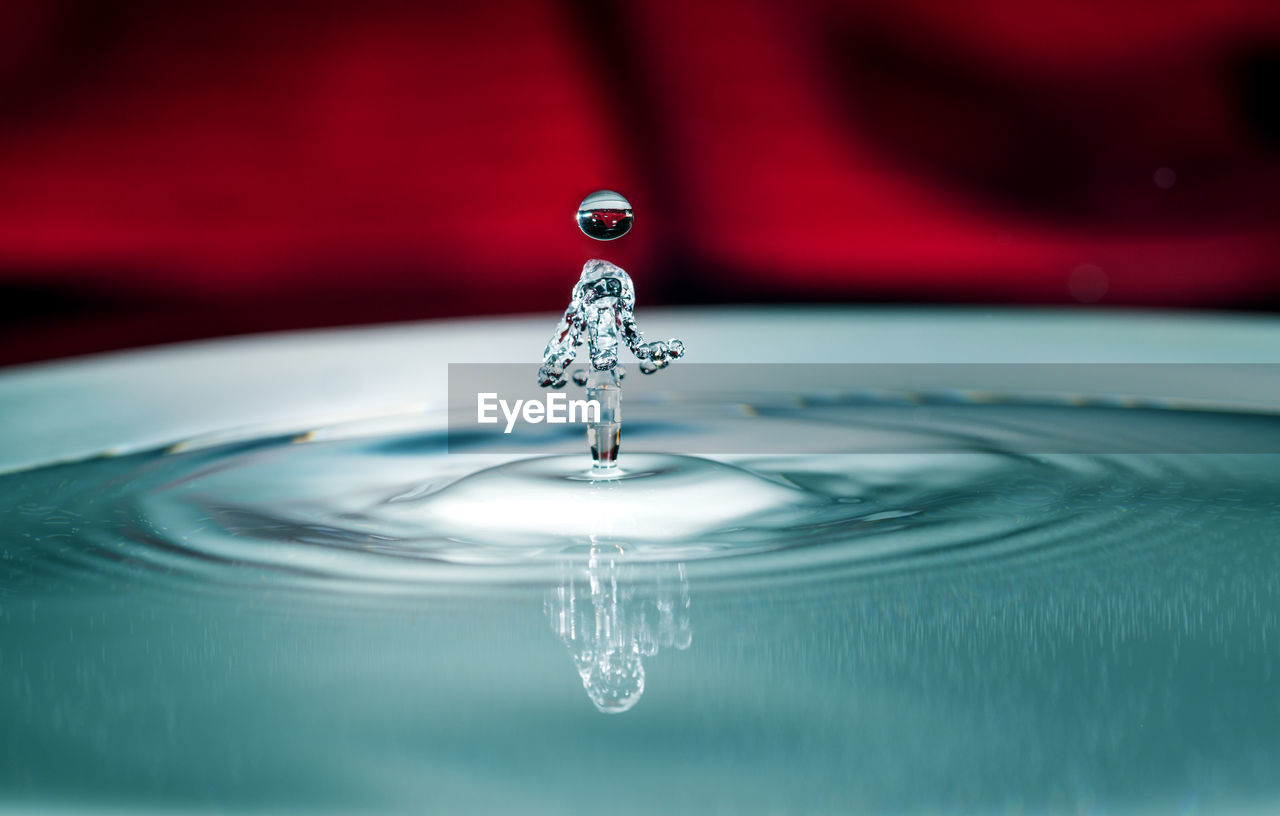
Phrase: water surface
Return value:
(308, 622)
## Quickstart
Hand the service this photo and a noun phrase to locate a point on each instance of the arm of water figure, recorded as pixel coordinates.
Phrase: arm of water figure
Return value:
(562, 348)
(652, 356)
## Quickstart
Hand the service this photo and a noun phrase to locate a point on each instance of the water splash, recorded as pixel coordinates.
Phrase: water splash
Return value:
(600, 316)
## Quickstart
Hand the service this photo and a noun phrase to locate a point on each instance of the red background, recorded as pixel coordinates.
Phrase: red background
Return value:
(176, 170)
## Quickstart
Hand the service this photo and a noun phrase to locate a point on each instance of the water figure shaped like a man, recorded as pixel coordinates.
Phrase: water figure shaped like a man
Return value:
(600, 315)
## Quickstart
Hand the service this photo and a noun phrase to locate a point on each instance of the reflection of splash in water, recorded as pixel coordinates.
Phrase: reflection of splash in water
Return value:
(611, 618)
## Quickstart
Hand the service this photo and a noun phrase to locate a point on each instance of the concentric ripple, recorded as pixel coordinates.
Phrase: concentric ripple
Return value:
(362, 505)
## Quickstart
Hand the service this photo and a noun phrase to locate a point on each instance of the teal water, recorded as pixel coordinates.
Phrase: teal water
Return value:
(296, 624)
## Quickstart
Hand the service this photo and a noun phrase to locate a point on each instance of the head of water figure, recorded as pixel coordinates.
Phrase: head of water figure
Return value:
(604, 286)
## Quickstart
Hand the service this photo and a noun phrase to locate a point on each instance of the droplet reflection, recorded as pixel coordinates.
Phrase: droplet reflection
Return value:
(611, 617)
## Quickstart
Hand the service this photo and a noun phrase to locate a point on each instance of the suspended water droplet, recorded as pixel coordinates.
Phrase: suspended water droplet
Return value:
(604, 215)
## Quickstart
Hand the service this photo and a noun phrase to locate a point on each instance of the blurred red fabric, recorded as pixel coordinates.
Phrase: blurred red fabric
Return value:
(174, 170)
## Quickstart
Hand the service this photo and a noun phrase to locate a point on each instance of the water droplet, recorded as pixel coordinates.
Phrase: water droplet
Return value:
(604, 215)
